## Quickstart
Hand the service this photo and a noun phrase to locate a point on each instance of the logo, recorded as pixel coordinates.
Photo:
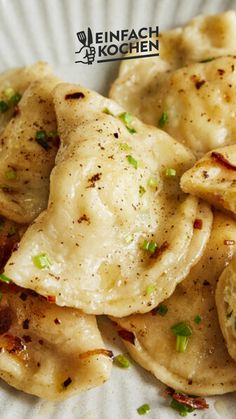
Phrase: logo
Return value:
(117, 45)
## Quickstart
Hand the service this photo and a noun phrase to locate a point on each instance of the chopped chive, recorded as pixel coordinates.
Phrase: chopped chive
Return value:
(132, 161)
(125, 147)
(131, 130)
(181, 329)
(170, 172)
(152, 182)
(10, 174)
(181, 408)
(163, 119)
(5, 278)
(197, 319)
(162, 309)
(126, 117)
(144, 409)
(150, 246)
(129, 238)
(14, 100)
(107, 111)
(150, 289)
(207, 60)
(41, 138)
(9, 92)
(141, 191)
(121, 361)
(12, 231)
(3, 106)
(42, 261)
(181, 343)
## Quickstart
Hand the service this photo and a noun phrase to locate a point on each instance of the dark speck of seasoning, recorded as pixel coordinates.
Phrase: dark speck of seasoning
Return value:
(200, 83)
(84, 218)
(76, 95)
(206, 283)
(23, 296)
(5, 319)
(25, 324)
(40, 341)
(67, 382)
(221, 71)
(27, 338)
(205, 174)
(57, 321)
(116, 135)
(94, 179)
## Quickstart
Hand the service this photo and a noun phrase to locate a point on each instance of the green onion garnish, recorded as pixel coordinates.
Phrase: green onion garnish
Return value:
(125, 147)
(181, 343)
(144, 409)
(41, 138)
(9, 92)
(197, 319)
(10, 174)
(12, 231)
(150, 246)
(141, 191)
(132, 161)
(163, 119)
(14, 100)
(207, 60)
(5, 278)
(150, 289)
(181, 329)
(126, 117)
(152, 182)
(131, 130)
(162, 309)
(3, 106)
(181, 408)
(107, 111)
(121, 361)
(170, 172)
(42, 261)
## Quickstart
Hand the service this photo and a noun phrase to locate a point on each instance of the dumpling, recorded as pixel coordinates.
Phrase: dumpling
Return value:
(204, 366)
(213, 178)
(16, 82)
(28, 146)
(194, 104)
(226, 305)
(117, 228)
(46, 350)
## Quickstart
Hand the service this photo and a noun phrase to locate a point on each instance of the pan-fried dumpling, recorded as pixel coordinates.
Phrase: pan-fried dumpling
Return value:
(46, 350)
(226, 305)
(194, 104)
(213, 178)
(205, 368)
(28, 146)
(16, 82)
(117, 228)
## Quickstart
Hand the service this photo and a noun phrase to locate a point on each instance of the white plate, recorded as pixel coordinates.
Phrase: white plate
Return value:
(32, 30)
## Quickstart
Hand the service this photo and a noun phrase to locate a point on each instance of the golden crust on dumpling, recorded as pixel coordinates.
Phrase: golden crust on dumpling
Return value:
(213, 178)
(118, 229)
(46, 350)
(205, 368)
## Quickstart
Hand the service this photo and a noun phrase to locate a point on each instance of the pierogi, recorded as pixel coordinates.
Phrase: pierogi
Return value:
(46, 350)
(205, 367)
(26, 155)
(213, 178)
(118, 233)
